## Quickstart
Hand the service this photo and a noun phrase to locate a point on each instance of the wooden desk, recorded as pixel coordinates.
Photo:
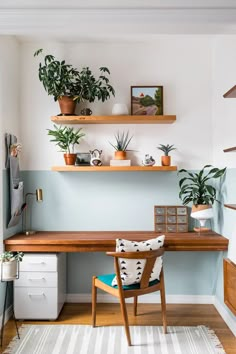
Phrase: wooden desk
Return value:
(102, 241)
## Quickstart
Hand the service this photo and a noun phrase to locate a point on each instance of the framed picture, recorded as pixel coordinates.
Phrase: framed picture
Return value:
(146, 100)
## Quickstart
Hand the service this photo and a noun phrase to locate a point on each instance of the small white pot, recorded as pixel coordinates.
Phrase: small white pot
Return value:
(8, 270)
(119, 109)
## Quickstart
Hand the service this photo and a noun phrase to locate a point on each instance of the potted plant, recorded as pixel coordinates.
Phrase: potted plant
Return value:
(122, 141)
(9, 265)
(195, 188)
(90, 88)
(166, 159)
(68, 85)
(66, 138)
(60, 81)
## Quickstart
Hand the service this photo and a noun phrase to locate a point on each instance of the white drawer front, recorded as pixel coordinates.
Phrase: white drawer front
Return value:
(35, 303)
(37, 262)
(37, 279)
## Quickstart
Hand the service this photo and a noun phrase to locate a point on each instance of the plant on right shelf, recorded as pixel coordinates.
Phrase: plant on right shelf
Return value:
(166, 159)
(66, 138)
(195, 188)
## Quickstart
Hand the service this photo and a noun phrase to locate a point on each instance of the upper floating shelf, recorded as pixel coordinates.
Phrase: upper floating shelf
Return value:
(231, 93)
(114, 119)
(230, 149)
(230, 206)
(73, 168)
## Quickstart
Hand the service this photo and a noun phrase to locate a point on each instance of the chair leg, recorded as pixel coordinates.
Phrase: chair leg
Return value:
(125, 318)
(135, 305)
(163, 305)
(94, 302)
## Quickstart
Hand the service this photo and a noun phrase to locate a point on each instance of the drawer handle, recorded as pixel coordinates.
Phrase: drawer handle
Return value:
(36, 279)
(36, 263)
(40, 294)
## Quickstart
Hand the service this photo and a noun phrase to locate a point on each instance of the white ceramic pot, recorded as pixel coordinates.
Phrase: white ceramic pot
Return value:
(119, 109)
(8, 270)
(202, 213)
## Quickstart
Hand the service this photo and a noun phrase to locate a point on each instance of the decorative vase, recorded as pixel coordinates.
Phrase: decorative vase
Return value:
(119, 109)
(202, 213)
(67, 105)
(120, 155)
(86, 112)
(70, 159)
(9, 270)
(165, 160)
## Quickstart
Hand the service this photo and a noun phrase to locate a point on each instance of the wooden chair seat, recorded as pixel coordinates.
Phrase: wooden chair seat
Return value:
(122, 292)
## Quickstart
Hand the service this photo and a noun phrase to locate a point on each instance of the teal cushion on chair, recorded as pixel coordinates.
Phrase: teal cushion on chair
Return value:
(107, 279)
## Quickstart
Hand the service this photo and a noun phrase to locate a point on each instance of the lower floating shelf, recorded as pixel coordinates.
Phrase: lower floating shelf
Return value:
(68, 168)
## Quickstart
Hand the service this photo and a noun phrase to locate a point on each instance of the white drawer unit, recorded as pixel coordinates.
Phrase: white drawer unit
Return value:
(40, 291)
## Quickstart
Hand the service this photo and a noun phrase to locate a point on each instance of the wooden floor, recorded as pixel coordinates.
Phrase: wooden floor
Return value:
(148, 314)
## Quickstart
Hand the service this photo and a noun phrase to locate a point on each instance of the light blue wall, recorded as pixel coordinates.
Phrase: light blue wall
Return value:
(115, 201)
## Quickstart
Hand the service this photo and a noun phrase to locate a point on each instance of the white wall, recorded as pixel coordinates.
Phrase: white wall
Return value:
(182, 64)
(9, 106)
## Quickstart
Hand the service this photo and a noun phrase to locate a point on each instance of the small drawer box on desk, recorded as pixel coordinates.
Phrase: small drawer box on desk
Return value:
(38, 263)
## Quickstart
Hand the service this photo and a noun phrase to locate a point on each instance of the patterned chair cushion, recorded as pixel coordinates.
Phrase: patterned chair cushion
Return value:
(131, 270)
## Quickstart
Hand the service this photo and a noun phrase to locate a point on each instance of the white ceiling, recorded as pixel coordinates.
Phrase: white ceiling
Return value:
(106, 19)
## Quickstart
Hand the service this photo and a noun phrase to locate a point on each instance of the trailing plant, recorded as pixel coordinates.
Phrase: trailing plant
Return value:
(11, 256)
(58, 78)
(122, 141)
(65, 137)
(166, 148)
(195, 187)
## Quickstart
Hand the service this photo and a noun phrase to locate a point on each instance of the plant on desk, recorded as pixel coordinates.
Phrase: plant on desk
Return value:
(195, 188)
(66, 138)
(9, 261)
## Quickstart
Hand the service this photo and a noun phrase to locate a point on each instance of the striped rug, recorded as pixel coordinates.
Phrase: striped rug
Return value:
(77, 339)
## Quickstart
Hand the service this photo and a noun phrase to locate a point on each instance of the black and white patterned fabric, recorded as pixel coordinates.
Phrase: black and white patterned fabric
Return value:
(131, 270)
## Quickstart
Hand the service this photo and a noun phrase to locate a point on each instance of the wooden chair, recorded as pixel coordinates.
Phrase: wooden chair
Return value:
(126, 291)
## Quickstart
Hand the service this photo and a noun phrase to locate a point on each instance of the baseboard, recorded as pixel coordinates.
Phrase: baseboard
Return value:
(8, 314)
(225, 315)
(148, 299)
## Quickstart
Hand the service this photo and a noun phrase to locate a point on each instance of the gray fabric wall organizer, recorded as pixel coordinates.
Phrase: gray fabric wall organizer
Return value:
(16, 185)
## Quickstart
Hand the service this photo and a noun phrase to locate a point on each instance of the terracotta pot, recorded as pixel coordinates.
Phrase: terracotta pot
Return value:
(120, 155)
(70, 159)
(67, 105)
(165, 160)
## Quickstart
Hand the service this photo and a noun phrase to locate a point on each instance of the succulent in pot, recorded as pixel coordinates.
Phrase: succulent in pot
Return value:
(195, 188)
(9, 265)
(166, 159)
(122, 141)
(66, 138)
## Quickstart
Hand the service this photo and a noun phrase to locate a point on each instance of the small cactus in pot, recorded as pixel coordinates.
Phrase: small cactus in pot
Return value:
(166, 159)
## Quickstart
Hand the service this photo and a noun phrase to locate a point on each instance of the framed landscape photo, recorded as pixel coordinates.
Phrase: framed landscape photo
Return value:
(146, 100)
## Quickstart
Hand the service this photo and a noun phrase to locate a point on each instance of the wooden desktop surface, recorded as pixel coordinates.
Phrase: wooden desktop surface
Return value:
(102, 241)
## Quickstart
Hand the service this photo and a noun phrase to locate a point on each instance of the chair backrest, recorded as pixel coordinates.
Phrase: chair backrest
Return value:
(149, 256)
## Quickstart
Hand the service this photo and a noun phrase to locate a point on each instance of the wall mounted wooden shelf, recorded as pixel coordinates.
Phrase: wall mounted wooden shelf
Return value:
(231, 93)
(68, 168)
(230, 206)
(230, 149)
(167, 119)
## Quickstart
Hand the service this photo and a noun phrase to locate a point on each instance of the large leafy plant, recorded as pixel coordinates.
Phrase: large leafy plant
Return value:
(195, 187)
(58, 78)
(65, 137)
(90, 88)
(122, 141)
(61, 79)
